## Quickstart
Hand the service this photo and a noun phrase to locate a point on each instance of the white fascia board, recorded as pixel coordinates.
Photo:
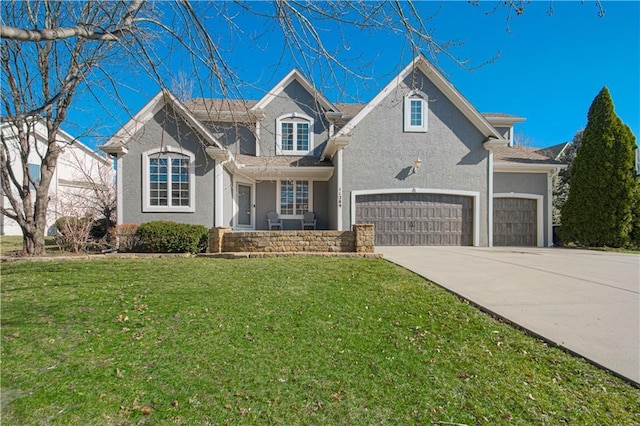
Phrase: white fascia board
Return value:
(504, 121)
(527, 168)
(267, 173)
(456, 97)
(192, 121)
(294, 74)
(421, 63)
(334, 145)
(123, 135)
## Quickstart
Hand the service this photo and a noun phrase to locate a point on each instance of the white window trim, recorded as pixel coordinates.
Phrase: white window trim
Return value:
(415, 95)
(294, 118)
(236, 204)
(146, 184)
(279, 191)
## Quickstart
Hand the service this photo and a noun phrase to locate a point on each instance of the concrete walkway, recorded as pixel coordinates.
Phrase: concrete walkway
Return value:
(585, 301)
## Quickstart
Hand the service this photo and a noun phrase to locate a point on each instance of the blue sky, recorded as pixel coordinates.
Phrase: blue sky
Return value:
(550, 66)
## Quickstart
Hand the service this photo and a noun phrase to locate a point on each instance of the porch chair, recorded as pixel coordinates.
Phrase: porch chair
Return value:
(274, 220)
(308, 220)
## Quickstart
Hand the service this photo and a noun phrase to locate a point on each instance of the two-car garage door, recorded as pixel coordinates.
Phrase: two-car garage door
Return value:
(412, 219)
(427, 219)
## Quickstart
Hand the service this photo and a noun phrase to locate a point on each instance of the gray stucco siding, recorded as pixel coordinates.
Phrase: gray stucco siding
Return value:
(294, 98)
(237, 138)
(381, 155)
(164, 129)
(503, 131)
(525, 183)
(266, 201)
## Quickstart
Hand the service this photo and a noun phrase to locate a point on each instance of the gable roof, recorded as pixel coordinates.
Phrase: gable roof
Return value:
(521, 154)
(294, 75)
(421, 63)
(117, 143)
(223, 109)
(40, 133)
(555, 151)
(523, 159)
(499, 119)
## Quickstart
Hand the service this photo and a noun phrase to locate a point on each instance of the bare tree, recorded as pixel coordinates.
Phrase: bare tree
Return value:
(51, 49)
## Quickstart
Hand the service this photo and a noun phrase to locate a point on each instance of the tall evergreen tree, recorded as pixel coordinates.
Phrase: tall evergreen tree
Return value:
(599, 208)
(561, 182)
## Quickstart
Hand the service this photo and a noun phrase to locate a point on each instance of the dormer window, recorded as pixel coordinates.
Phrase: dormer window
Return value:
(294, 134)
(415, 112)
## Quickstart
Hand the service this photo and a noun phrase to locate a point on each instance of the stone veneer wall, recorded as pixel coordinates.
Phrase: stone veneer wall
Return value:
(359, 240)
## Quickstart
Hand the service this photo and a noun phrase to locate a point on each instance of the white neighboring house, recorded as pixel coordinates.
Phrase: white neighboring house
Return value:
(78, 169)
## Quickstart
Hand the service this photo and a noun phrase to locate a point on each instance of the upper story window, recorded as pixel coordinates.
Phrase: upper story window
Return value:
(415, 112)
(168, 180)
(294, 134)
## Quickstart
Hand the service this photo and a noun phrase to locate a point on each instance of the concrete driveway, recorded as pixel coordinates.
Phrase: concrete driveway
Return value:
(585, 301)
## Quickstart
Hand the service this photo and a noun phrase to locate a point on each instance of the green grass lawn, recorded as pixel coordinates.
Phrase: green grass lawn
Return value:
(11, 245)
(276, 341)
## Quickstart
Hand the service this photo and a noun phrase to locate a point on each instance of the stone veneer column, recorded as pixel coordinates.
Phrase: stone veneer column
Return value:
(216, 235)
(365, 238)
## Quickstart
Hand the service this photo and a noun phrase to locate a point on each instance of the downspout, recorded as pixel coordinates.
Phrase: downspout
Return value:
(490, 200)
(119, 191)
(549, 197)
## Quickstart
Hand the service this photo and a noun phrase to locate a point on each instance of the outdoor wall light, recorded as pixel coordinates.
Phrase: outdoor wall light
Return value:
(417, 165)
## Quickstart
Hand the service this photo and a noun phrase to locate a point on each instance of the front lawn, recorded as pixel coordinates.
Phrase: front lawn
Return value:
(276, 341)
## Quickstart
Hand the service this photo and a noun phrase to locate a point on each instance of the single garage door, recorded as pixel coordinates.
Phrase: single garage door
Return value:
(514, 222)
(418, 219)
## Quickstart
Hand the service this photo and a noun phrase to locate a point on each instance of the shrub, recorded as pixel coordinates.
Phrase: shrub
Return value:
(171, 237)
(125, 235)
(100, 228)
(73, 233)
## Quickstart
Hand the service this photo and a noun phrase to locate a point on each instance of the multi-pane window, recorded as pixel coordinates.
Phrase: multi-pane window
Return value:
(415, 112)
(287, 136)
(169, 180)
(294, 136)
(294, 197)
(302, 136)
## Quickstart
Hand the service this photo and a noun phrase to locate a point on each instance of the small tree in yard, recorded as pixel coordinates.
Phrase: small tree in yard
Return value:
(603, 188)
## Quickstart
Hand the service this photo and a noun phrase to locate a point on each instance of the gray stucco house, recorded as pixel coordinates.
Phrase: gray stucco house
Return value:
(418, 161)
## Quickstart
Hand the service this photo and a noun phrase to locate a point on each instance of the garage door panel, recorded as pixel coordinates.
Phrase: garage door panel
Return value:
(515, 222)
(417, 219)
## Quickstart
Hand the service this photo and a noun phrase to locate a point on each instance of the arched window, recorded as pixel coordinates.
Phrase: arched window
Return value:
(294, 134)
(415, 112)
(168, 180)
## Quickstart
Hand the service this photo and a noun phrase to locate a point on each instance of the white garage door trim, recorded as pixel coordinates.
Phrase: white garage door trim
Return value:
(473, 194)
(539, 211)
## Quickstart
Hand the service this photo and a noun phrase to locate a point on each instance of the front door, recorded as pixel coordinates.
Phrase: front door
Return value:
(244, 205)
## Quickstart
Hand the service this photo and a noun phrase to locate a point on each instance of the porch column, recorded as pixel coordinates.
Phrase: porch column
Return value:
(219, 195)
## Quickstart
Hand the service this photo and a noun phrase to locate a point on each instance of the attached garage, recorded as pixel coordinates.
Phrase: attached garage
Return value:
(418, 219)
(515, 221)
